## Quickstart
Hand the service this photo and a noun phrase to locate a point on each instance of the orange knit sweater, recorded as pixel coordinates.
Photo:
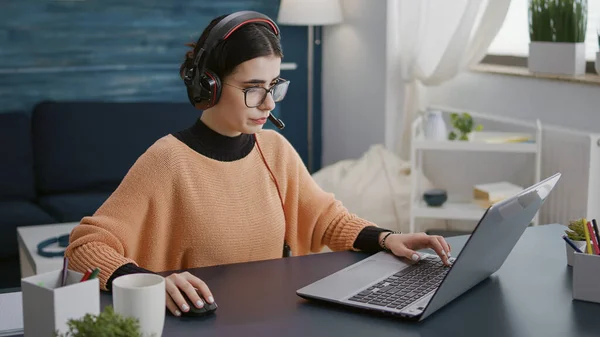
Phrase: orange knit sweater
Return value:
(177, 209)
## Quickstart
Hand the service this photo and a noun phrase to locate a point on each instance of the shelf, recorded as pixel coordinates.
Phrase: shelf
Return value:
(458, 145)
(451, 210)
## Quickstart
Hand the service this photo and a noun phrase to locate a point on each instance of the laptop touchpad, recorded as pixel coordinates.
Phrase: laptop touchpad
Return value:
(343, 284)
(370, 271)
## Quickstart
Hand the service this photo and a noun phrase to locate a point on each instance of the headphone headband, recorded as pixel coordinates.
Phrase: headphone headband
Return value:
(222, 30)
(204, 86)
(62, 240)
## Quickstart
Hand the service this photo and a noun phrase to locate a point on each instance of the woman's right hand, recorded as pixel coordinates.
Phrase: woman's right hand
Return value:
(188, 283)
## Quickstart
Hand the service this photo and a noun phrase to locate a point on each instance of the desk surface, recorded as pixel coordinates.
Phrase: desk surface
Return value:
(529, 296)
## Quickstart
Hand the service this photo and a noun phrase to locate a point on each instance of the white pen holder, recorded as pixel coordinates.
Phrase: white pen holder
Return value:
(586, 277)
(47, 307)
(569, 250)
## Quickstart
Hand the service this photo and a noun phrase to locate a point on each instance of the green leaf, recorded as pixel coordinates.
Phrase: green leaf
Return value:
(576, 231)
(106, 324)
(452, 135)
(558, 20)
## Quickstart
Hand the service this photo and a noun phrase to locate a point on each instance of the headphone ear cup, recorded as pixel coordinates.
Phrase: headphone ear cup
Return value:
(204, 92)
(211, 89)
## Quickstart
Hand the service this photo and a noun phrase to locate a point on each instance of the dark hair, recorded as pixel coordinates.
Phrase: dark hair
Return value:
(249, 41)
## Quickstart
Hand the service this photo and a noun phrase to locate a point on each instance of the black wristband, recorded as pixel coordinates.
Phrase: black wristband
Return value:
(384, 238)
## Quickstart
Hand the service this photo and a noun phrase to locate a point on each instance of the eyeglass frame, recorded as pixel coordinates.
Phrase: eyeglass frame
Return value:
(270, 90)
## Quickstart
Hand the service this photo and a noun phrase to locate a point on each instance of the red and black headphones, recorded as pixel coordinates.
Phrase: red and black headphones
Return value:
(203, 85)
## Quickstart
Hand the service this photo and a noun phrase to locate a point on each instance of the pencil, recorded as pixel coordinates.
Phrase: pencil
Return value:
(595, 225)
(63, 280)
(586, 232)
(593, 238)
(94, 274)
(86, 275)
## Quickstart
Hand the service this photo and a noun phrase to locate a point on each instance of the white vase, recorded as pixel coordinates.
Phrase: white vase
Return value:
(558, 58)
(580, 244)
(597, 64)
(435, 127)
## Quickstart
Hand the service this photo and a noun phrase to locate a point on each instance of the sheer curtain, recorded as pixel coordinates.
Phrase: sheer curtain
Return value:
(432, 41)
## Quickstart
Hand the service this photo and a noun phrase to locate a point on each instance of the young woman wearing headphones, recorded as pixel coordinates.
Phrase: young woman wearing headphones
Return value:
(224, 190)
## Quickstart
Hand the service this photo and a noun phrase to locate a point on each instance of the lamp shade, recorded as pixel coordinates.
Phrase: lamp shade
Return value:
(309, 12)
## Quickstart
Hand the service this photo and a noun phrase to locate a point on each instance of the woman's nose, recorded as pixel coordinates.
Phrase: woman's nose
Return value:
(269, 103)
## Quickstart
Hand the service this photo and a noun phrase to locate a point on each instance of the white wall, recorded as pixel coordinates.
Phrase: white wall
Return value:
(361, 83)
(354, 71)
(568, 104)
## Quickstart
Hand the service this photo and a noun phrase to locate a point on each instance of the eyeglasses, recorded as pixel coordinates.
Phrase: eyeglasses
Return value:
(255, 96)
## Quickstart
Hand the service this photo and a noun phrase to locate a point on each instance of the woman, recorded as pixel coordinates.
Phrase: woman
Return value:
(224, 191)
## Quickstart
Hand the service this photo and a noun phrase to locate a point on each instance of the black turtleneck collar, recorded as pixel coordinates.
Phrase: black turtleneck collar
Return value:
(212, 144)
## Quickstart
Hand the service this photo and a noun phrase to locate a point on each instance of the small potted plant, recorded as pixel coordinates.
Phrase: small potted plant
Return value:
(107, 324)
(463, 124)
(577, 235)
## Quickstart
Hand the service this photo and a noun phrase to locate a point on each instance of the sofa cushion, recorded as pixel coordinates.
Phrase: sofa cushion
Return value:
(74, 206)
(16, 158)
(90, 146)
(14, 214)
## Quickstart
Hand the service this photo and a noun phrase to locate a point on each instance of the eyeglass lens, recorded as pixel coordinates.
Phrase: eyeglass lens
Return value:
(256, 96)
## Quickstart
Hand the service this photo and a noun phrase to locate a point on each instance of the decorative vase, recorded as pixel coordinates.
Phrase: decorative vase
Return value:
(580, 244)
(597, 64)
(559, 58)
(435, 126)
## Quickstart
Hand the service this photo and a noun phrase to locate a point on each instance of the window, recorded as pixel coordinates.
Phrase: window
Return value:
(513, 37)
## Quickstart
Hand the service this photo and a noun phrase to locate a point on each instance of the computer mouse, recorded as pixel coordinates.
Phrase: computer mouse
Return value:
(207, 308)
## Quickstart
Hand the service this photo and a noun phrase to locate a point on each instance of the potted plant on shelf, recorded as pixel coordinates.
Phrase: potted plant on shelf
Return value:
(107, 324)
(557, 36)
(463, 124)
(577, 235)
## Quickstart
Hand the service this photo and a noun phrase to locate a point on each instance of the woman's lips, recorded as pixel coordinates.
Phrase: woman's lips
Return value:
(259, 121)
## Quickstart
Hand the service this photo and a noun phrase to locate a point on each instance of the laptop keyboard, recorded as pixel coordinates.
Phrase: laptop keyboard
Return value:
(406, 286)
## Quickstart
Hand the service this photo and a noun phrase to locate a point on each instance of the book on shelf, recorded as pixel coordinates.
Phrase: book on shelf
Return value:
(494, 137)
(488, 194)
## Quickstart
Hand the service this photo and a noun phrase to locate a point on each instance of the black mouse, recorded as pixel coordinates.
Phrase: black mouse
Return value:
(207, 308)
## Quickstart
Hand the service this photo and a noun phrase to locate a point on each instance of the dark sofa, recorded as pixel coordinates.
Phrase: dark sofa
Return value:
(59, 162)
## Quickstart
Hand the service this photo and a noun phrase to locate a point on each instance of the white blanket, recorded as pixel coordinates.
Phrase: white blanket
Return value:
(375, 187)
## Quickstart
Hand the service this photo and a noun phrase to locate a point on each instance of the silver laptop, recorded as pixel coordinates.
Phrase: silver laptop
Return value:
(393, 285)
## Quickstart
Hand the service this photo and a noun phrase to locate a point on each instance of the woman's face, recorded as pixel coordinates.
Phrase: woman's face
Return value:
(232, 115)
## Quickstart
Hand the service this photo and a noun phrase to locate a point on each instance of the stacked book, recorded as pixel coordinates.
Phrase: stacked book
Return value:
(486, 195)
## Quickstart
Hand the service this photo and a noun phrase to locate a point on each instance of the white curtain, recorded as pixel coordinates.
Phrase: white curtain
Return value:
(435, 41)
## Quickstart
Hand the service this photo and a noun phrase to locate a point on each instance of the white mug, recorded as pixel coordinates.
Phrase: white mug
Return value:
(141, 296)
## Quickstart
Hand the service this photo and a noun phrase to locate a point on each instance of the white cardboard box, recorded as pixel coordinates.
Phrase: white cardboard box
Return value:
(47, 307)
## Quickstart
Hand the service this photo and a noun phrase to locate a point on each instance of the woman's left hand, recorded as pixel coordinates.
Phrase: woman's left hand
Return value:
(405, 245)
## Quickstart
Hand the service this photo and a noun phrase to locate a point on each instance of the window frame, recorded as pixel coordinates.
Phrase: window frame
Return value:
(521, 61)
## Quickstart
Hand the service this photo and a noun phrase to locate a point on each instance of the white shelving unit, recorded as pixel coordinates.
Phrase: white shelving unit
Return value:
(462, 207)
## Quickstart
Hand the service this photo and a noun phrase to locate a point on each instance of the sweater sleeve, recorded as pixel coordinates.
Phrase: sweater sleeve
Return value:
(368, 239)
(320, 220)
(126, 269)
(106, 239)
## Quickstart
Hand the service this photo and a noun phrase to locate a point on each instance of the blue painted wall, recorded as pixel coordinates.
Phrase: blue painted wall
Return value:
(129, 50)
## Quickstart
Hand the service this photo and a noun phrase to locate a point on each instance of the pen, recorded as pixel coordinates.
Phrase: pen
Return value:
(586, 232)
(94, 274)
(593, 238)
(63, 280)
(571, 244)
(86, 275)
(595, 225)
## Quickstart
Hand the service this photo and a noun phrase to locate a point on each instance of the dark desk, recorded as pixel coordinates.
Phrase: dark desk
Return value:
(529, 296)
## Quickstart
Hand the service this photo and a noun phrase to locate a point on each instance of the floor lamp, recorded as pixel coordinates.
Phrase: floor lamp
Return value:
(310, 13)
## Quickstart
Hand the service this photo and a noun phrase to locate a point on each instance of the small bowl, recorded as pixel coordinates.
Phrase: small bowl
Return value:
(435, 197)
